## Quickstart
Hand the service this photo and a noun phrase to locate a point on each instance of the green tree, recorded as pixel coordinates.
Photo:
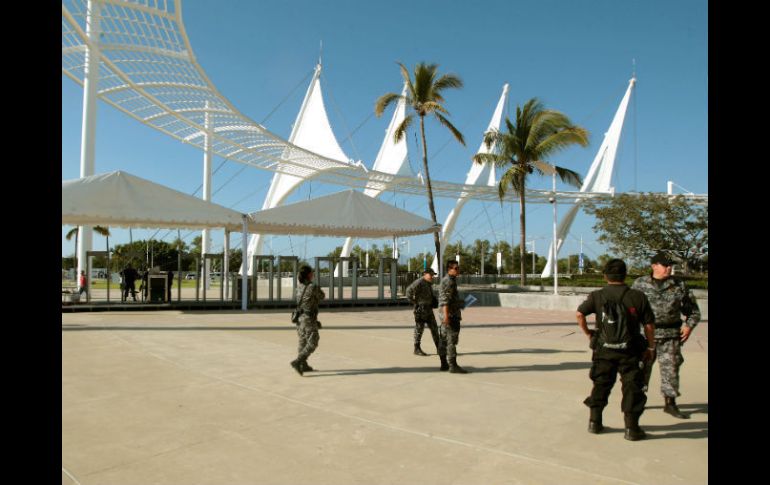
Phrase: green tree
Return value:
(638, 226)
(538, 133)
(424, 96)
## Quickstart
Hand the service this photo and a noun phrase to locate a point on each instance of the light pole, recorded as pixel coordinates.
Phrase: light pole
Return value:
(533, 254)
(555, 265)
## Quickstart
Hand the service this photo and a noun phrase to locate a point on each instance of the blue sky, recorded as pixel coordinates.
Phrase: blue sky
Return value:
(575, 56)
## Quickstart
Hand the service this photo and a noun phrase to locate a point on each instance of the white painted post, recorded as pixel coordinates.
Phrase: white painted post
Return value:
(88, 131)
(206, 238)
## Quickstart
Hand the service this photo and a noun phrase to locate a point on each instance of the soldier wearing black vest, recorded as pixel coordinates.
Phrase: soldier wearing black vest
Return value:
(610, 358)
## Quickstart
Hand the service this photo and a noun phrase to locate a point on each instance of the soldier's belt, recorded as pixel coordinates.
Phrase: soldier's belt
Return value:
(668, 325)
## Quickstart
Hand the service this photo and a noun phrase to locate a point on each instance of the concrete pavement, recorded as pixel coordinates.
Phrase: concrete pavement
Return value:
(209, 398)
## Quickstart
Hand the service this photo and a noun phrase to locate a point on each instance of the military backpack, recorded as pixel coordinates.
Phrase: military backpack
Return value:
(617, 327)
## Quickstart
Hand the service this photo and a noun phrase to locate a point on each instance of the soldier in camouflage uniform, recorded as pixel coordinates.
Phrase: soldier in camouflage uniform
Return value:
(670, 299)
(450, 304)
(307, 296)
(420, 294)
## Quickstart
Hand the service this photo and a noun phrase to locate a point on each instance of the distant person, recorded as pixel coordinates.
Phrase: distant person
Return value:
(420, 294)
(670, 299)
(122, 286)
(144, 286)
(130, 275)
(307, 296)
(169, 281)
(83, 283)
(449, 309)
(618, 347)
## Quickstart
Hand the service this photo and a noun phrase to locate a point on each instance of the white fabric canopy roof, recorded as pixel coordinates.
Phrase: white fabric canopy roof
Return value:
(119, 199)
(346, 213)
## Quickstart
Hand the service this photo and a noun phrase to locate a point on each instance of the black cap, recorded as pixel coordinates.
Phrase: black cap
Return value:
(429, 270)
(615, 267)
(661, 258)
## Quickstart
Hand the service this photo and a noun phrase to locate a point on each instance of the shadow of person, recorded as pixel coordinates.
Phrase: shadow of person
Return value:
(688, 430)
(434, 369)
(695, 408)
(523, 351)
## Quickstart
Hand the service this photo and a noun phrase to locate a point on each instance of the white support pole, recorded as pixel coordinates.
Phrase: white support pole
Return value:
(555, 265)
(88, 131)
(244, 264)
(206, 237)
(226, 264)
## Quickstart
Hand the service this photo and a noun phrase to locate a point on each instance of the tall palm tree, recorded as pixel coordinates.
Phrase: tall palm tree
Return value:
(538, 133)
(424, 96)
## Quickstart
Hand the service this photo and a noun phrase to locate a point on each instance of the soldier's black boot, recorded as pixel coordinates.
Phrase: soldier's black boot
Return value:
(297, 365)
(454, 367)
(672, 409)
(418, 350)
(633, 431)
(444, 363)
(306, 367)
(595, 421)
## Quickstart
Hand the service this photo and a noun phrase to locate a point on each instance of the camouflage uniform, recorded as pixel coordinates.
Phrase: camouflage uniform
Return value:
(670, 299)
(449, 335)
(420, 293)
(307, 330)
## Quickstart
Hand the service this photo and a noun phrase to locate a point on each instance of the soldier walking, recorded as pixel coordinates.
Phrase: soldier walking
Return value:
(308, 295)
(420, 294)
(670, 299)
(450, 305)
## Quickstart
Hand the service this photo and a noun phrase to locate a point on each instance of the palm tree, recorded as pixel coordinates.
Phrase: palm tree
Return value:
(104, 231)
(424, 96)
(538, 133)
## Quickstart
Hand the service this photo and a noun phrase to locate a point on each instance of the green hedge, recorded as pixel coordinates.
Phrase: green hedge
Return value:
(597, 280)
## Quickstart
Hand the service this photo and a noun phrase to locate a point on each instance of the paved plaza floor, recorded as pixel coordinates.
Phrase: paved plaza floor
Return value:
(209, 398)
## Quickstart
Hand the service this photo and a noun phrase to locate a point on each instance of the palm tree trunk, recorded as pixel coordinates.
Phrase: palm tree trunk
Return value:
(436, 239)
(523, 229)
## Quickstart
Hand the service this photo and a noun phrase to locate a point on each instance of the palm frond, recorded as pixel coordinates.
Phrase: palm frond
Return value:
(430, 106)
(481, 158)
(562, 139)
(104, 231)
(407, 79)
(451, 127)
(71, 233)
(569, 176)
(511, 178)
(403, 127)
(384, 101)
(447, 81)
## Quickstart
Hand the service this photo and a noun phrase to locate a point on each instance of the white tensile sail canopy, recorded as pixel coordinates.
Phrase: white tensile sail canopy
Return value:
(341, 214)
(119, 199)
(311, 131)
(599, 175)
(479, 174)
(391, 158)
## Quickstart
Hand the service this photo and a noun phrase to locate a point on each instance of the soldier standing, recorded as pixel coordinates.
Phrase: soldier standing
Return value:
(450, 304)
(670, 299)
(307, 296)
(612, 356)
(420, 294)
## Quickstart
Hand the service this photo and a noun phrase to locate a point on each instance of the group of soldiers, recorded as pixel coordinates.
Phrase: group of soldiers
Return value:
(655, 302)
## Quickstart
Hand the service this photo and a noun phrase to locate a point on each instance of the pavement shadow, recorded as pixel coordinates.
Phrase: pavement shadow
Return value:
(374, 370)
(683, 429)
(697, 408)
(434, 369)
(523, 351)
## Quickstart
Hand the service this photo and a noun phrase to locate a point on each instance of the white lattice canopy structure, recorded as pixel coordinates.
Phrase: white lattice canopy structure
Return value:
(147, 69)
